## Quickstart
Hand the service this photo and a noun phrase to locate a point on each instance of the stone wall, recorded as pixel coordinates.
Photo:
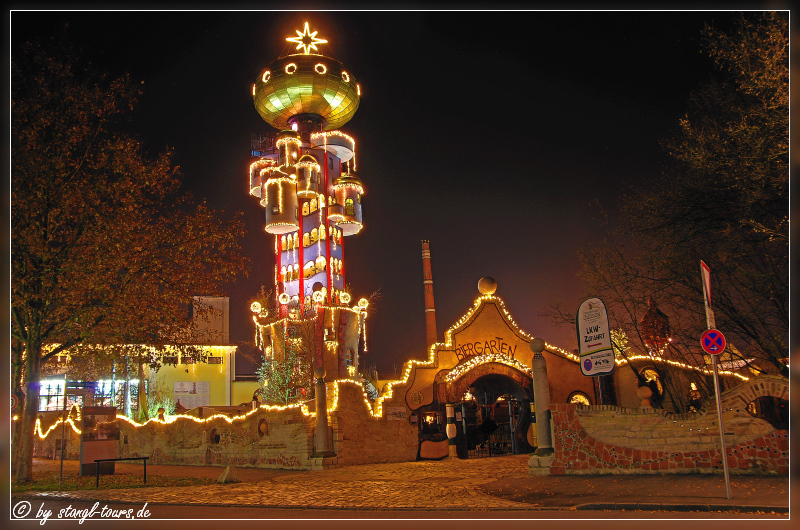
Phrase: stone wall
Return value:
(608, 439)
(282, 439)
(359, 438)
(48, 446)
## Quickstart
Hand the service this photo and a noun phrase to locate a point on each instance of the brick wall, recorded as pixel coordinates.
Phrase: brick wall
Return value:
(608, 439)
(361, 439)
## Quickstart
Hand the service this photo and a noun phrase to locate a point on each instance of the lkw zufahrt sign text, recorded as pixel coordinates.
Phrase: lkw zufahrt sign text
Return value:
(594, 339)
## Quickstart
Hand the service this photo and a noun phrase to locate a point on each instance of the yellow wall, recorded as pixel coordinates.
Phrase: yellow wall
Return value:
(217, 375)
(243, 391)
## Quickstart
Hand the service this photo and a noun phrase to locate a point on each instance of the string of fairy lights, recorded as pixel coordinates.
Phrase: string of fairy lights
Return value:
(376, 409)
(168, 419)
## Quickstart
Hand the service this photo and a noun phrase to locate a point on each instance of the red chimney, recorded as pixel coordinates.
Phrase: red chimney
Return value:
(430, 312)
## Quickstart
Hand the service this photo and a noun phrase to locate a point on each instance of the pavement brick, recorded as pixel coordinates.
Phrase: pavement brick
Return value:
(500, 483)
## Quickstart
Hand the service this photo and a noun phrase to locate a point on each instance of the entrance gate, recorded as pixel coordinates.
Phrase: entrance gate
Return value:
(492, 406)
(489, 428)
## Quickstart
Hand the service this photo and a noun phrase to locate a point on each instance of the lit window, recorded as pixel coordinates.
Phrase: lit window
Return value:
(349, 209)
(283, 242)
(322, 231)
(305, 209)
(313, 235)
(579, 398)
(306, 242)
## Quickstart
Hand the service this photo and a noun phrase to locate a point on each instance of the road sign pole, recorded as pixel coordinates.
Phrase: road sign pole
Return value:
(721, 428)
(63, 430)
(600, 390)
(714, 343)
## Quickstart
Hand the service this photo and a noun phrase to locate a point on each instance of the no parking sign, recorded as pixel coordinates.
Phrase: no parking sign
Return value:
(713, 341)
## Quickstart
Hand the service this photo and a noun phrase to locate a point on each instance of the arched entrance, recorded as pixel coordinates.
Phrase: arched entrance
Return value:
(493, 416)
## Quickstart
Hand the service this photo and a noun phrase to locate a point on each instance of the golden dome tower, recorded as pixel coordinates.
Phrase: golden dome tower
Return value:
(306, 179)
(308, 89)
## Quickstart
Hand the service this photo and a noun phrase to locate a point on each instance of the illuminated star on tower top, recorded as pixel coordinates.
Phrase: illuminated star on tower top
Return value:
(306, 40)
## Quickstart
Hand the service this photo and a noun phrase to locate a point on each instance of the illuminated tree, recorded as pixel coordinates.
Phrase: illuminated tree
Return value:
(104, 249)
(724, 200)
(727, 202)
(286, 376)
(285, 373)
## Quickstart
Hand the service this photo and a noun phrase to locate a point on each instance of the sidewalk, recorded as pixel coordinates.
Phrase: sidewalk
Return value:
(500, 483)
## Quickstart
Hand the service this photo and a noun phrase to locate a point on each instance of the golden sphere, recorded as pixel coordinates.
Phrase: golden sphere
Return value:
(487, 285)
(306, 84)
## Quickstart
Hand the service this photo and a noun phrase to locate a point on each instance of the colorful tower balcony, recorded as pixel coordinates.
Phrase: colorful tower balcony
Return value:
(336, 143)
(256, 184)
(288, 144)
(308, 185)
(348, 191)
(280, 201)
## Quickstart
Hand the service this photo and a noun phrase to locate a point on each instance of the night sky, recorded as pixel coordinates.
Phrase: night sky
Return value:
(504, 138)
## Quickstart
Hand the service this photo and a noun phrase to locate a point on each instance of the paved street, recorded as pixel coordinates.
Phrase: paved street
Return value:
(479, 488)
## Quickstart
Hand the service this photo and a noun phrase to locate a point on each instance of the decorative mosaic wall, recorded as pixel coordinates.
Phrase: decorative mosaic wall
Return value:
(267, 439)
(607, 439)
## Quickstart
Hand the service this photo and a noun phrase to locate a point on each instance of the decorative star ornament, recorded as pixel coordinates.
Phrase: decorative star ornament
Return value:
(306, 40)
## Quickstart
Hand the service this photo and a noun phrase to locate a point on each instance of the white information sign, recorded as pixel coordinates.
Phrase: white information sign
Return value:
(594, 338)
(191, 394)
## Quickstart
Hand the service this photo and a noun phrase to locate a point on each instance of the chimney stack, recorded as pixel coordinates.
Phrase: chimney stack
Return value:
(430, 312)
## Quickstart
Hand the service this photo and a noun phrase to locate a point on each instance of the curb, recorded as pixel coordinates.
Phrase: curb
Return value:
(666, 507)
(612, 506)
